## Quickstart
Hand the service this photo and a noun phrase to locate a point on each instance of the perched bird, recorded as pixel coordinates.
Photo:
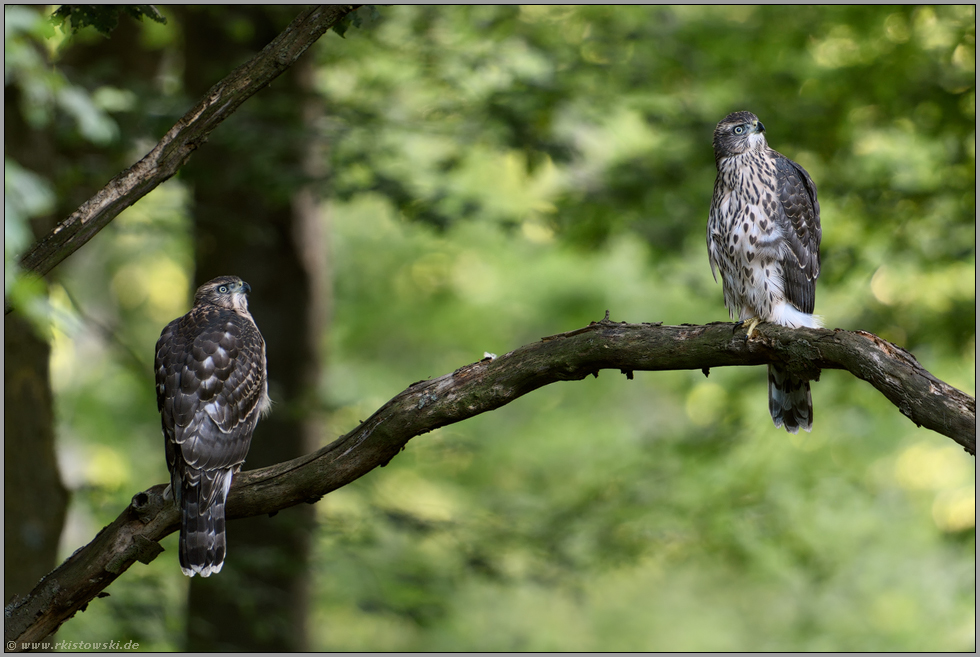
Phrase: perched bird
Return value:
(764, 238)
(211, 390)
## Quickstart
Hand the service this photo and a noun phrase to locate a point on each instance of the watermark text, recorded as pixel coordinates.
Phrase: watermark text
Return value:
(73, 645)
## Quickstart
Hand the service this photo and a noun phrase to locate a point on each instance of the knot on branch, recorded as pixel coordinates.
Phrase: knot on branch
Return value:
(148, 503)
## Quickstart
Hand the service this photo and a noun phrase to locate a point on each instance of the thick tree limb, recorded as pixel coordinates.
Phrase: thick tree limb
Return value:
(176, 147)
(485, 386)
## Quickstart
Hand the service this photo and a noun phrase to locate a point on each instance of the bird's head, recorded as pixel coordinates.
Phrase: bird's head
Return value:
(738, 133)
(225, 291)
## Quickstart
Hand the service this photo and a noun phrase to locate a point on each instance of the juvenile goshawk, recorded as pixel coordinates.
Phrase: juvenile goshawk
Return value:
(764, 238)
(211, 390)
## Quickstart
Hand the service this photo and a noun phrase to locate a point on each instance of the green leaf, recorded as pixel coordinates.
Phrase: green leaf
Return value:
(103, 18)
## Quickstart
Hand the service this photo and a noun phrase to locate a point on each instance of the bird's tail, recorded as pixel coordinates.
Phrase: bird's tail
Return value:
(202, 523)
(789, 401)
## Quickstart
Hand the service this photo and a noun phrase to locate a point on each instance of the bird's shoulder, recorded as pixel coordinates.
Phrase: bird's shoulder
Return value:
(208, 330)
(207, 321)
(792, 174)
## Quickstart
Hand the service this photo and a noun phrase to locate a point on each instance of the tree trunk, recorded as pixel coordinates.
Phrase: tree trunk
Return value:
(35, 500)
(256, 216)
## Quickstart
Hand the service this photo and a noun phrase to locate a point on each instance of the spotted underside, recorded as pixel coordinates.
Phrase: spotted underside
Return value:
(211, 390)
(764, 239)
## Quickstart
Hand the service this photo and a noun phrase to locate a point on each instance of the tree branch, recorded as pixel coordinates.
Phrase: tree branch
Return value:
(484, 386)
(176, 147)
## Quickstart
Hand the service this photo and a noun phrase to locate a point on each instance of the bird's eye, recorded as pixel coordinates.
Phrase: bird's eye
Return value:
(739, 130)
(223, 289)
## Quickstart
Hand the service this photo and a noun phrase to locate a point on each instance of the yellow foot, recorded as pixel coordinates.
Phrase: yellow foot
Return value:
(752, 322)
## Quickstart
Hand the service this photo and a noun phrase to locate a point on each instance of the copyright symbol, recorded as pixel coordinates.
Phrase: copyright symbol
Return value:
(11, 645)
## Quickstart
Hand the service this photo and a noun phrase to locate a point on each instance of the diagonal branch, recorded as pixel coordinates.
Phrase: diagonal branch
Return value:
(484, 386)
(187, 135)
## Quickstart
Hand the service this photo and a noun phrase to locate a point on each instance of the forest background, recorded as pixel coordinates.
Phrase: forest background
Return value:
(447, 181)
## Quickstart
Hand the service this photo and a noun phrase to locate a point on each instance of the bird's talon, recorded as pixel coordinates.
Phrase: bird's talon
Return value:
(755, 321)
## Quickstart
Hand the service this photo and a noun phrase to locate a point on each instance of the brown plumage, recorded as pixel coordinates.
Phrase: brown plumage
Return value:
(764, 238)
(211, 390)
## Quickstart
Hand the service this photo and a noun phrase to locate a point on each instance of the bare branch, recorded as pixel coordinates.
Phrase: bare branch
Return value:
(484, 386)
(176, 147)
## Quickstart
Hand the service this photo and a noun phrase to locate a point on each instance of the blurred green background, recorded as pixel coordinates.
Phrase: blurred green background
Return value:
(491, 175)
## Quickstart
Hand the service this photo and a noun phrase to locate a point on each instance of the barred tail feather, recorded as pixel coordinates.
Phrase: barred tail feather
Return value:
(202, 529)
(789, 401)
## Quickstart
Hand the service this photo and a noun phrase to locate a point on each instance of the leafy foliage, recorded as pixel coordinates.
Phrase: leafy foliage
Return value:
(103, 18)
(356, 18)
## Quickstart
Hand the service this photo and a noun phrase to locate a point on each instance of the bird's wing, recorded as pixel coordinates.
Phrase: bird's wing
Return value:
(799, 216)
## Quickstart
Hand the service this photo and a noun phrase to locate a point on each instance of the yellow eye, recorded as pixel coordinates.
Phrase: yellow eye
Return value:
(739, 130)
(223, 289)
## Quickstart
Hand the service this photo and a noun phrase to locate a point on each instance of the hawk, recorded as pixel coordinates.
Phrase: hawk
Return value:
(211, 390)
(764, 238)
